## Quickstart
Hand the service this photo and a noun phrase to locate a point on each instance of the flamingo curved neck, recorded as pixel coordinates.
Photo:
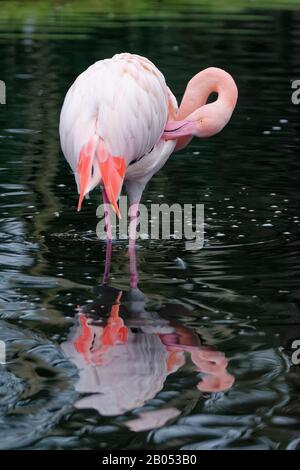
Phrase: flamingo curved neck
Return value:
(197, 92)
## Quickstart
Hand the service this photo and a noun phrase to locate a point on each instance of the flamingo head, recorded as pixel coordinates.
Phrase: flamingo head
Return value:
(196, 117)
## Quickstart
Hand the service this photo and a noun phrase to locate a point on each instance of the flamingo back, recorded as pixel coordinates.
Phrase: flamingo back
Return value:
(123, 101)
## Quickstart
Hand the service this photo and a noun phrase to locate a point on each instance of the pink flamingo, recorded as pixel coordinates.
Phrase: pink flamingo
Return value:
(120, 123)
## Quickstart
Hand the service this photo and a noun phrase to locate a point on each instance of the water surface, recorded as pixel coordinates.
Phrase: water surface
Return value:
(235, 303)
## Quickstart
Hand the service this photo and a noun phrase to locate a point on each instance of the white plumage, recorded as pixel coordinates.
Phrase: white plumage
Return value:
(125, 102)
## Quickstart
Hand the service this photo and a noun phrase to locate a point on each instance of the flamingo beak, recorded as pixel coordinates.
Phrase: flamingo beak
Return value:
(175, 129)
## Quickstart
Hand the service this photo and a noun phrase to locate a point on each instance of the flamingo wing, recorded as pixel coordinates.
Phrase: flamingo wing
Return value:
(117, 108)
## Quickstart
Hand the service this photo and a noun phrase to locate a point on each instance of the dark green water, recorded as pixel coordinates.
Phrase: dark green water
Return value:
(237, 298)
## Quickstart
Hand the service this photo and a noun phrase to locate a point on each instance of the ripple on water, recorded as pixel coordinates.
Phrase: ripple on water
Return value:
(237, 418)
(36, 387)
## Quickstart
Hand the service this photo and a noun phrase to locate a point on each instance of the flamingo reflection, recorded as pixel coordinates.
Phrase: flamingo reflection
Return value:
(124, 352)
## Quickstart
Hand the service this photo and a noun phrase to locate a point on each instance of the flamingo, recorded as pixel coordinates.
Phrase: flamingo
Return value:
(120, 123)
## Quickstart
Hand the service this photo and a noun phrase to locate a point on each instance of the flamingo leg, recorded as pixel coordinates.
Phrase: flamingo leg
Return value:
(134, 209)
(134, 278)
(108, 238)
(107, 262)
(106, 204)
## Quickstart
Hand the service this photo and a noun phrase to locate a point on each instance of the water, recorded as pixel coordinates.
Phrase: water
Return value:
(235, 302)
